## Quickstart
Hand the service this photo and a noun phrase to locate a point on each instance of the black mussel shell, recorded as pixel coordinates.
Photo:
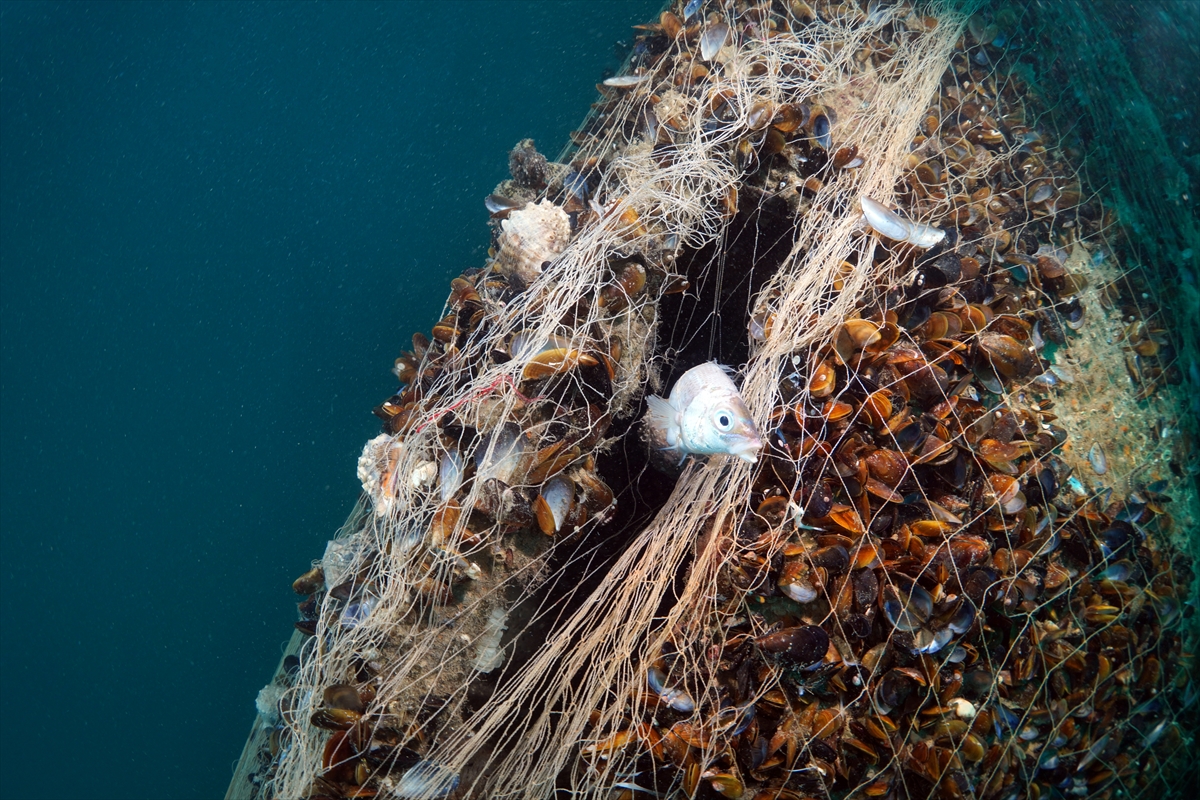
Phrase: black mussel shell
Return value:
(334, 719)
(1041, 488)
(977, 683)
(917, 316)
(978, 583)
(1117, 539)
(388, 758)
(823, 751)
(833, 558)
(957, 471)
(975, 291)
(752, 754)
(910, 437)
(866, 588)
(940, 271)
(309, 608)
(894, 689)
(906, 607)
(803, 646)
(856, 626)
(344, 591)
(818, 500)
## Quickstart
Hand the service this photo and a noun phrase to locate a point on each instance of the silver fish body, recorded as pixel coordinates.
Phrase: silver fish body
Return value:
(705, 415)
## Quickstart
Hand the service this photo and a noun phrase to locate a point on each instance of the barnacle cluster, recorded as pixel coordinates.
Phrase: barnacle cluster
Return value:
(954, 570)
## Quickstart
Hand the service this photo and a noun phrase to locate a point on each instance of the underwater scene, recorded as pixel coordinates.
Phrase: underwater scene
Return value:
(817, 426)
(788, 400)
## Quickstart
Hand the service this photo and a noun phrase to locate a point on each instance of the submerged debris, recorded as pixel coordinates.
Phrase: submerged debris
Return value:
(903, 586)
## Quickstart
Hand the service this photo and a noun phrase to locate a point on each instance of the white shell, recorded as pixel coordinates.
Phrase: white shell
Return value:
(500, 454)
(963, 708)
(423, 475)
(558, 494)
(800, 591)
(625, 81)
(488, 652)
(713, 40)
(267, 702)
(530, 237)
(893, 226)
(450, 475)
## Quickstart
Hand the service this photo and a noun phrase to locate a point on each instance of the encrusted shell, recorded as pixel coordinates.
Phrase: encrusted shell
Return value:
(377, 468)
(530, 237)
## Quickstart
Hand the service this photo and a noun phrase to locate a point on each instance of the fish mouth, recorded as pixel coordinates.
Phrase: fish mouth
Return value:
(746, 450)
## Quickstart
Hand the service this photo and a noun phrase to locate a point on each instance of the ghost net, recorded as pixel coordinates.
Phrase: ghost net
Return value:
(911, 594)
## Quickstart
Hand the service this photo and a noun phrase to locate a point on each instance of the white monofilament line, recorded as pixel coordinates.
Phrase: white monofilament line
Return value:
(534, 727)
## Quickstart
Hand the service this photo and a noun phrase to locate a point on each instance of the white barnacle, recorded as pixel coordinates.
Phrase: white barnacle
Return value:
(531, 237)
(423, 475)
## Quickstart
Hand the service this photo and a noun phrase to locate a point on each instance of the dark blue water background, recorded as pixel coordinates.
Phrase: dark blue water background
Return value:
(219, 224)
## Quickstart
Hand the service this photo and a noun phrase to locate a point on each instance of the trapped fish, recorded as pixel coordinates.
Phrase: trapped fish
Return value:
(705, 415)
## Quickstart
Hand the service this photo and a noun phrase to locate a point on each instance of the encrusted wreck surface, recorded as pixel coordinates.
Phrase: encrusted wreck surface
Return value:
(955, 569)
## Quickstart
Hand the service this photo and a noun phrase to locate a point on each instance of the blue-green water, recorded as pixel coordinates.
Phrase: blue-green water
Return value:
(219, 223)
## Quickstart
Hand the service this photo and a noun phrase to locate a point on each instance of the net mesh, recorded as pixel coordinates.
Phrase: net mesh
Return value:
(955, 569)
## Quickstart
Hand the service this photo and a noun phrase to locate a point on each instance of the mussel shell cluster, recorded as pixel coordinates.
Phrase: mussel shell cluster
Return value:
(990, 626)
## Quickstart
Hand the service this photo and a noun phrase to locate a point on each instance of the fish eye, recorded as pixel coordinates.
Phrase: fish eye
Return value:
(724, 420)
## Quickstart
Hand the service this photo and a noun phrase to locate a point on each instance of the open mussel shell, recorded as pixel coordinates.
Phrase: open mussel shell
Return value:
(553, 505)
(795, 581)
(894, 689)
(1117, 539)
(960, 620)
(907, 608)
(929, 641)
(713, 39)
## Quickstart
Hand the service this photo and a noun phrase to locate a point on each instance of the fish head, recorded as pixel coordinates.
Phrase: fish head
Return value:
(718, 422)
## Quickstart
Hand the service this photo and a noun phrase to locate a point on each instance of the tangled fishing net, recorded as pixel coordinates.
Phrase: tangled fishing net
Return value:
(955, 570)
